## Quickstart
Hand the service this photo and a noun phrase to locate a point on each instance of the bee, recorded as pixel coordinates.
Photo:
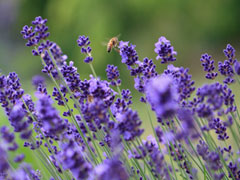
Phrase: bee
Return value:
(112, 44)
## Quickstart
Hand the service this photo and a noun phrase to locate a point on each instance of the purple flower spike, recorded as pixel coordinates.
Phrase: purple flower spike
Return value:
(40, 28)
(112, 170)
(38, 80)
(113, 75)
(84, 42)
(230, 54)
(129, 124)
(164, 50)
(183, 80)
(52, 123)
(162, 96)
(226, 70)
(71, 158)
(128, 53)
(208, 65)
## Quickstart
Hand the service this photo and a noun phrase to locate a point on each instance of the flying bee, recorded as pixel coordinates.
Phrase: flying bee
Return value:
(112, 44)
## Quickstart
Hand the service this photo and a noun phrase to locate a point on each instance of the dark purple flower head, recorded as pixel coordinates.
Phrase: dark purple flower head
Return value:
(129, 124)
(84, 42)
(88, 59)
(17, 120)
(36, 33)
(164, 50)
(96, 111)
(40, 28)
(37, 80)
(71, 76)
(212, 97)
(111, 169)
(10, 91)
(122, 104)
(183, 81)
(113, 75)
(97, 88)
(208, 65)
(162, 96)
(13, 89)
(52, 123)
(29, 34)
(148, 68)
(230, 54)
(226, 70)
(220, 129)
(71, 158)
(128, 53)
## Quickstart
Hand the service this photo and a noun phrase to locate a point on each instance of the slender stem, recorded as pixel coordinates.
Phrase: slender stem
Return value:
(93, 71)
(66, 105)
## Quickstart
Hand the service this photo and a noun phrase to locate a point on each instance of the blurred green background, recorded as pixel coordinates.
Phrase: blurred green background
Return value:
(193, 27)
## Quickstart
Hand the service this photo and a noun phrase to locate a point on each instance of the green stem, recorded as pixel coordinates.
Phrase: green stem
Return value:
(93, 71)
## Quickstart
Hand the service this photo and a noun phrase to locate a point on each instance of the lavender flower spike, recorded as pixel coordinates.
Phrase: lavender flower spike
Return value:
(164, 50)
(162, 96)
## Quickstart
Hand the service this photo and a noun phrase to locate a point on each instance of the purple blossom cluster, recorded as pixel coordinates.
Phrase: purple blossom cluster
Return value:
(84, 42)
(164, 50)
(88, 129)
(208, 65)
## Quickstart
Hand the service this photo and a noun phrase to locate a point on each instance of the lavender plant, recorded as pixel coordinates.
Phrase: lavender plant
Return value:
(98, 135)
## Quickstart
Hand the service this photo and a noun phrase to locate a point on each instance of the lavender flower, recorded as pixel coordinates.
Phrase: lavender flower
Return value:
(52, 123)
(230, 54)
(208, 65)
(162, 96)
(129, 125)
(183, 80)
(113, 75)
(220, 129)
(71, 158)
(71, 76)
(39, 32)
(216, 95)
(111, 170)
(164, 50)
(40, 28)
(128, 53)
(226, 70)
(38, 80)
(84, 42)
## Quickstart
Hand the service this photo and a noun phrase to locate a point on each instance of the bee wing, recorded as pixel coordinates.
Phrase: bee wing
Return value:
(118, 36)
(104, 43)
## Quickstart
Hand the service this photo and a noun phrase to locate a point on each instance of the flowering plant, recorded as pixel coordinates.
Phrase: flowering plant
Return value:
(98, 136)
